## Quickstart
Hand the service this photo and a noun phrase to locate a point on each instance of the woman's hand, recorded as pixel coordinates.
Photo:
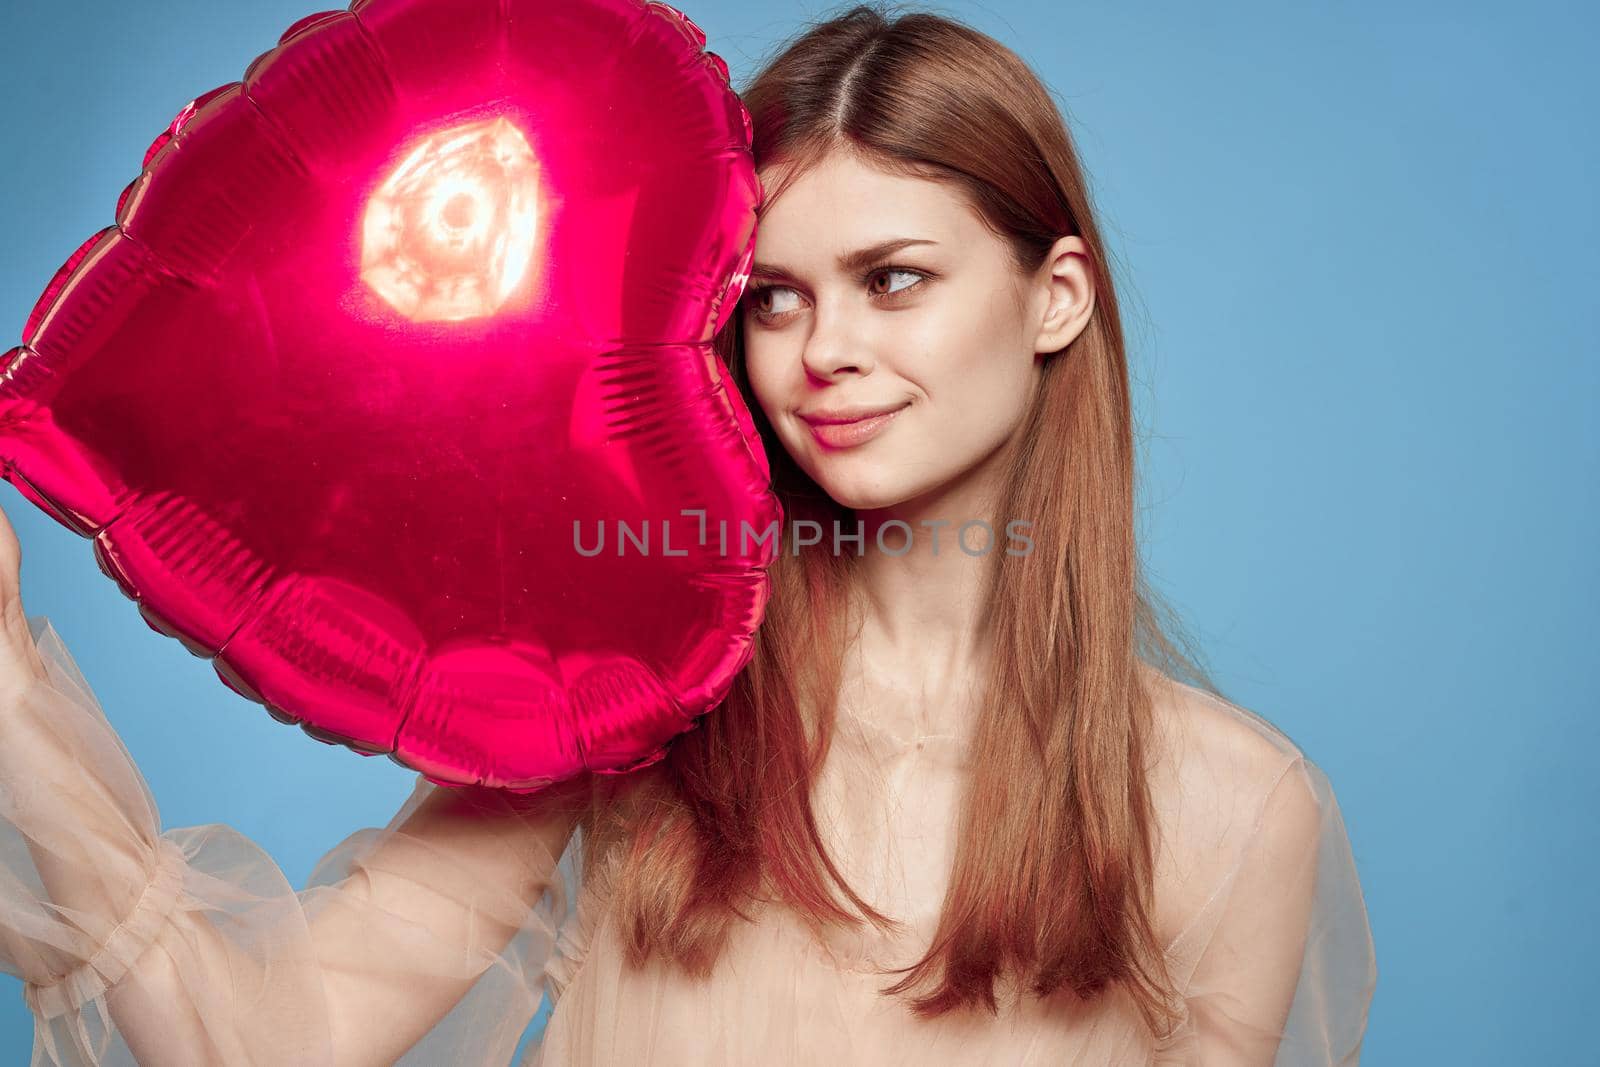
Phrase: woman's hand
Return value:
(20, 662)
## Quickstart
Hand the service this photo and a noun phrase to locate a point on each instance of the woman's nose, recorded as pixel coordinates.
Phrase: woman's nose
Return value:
(834, 349)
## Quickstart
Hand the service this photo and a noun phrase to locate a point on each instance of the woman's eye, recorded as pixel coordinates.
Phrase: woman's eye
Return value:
(766, 292)
(764, 303)
(889, 272)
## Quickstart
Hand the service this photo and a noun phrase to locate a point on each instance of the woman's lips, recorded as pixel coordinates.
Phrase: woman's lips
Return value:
(848, 434)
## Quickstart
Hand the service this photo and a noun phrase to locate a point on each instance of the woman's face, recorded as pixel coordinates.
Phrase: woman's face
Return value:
(943, 334)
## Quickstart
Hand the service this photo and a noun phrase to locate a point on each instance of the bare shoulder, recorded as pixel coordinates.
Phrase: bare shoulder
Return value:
(1214, 766)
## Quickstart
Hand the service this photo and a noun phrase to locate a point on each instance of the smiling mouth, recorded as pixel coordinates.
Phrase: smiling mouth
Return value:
(854, 432)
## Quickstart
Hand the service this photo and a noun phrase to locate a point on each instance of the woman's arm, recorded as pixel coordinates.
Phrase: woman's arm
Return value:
(501, 855)
(464, 875)
(1288, 970)
(201, 951)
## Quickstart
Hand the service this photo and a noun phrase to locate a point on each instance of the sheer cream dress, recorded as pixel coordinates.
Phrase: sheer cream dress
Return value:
(1259, 905)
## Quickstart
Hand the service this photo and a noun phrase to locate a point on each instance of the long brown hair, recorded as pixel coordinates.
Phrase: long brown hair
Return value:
(1053, 871)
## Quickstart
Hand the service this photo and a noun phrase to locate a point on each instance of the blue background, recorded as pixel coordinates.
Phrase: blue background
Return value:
(1356, 245)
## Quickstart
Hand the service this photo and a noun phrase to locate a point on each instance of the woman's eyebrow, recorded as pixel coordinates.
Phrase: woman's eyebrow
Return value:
(850, 262)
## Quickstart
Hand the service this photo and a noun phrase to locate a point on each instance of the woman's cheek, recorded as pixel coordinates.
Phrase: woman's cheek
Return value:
(758, 371)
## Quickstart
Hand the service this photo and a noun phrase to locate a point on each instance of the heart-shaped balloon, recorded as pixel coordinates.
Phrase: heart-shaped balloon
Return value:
(385, 339)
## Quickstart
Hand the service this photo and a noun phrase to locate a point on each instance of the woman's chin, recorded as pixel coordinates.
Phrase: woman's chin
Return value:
(862, 483)
(858, 497)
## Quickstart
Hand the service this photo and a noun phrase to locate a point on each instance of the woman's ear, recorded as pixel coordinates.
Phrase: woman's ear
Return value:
(1065, 295)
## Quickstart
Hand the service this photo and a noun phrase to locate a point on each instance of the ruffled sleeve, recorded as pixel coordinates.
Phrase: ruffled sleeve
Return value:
(1284, 968)
(421, 942)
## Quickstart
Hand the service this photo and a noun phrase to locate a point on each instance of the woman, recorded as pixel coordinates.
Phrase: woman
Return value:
(960, 807)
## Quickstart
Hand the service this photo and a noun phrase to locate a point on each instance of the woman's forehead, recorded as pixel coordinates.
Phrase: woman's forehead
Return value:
(837, 207)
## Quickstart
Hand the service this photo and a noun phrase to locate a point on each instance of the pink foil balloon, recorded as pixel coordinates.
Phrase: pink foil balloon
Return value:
(374, 329)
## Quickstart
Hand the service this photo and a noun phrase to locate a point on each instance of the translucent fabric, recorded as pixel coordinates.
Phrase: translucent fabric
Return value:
(1258, 904)
(1261, 911)
(190, 947)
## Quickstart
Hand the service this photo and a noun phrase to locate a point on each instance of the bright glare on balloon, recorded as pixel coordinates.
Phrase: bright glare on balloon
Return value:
(450, 233)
